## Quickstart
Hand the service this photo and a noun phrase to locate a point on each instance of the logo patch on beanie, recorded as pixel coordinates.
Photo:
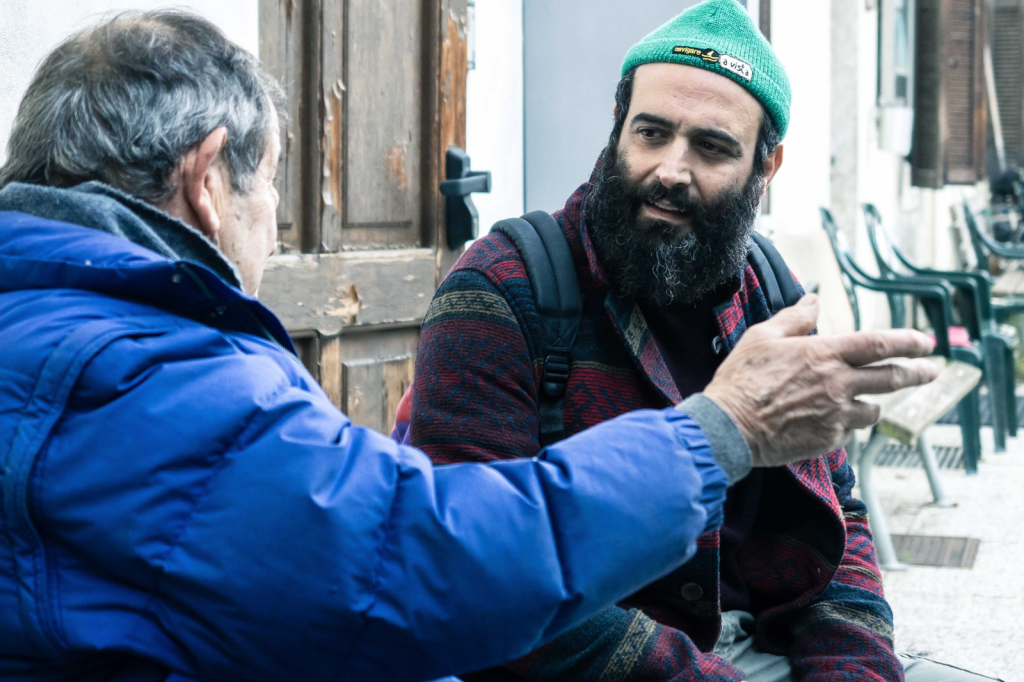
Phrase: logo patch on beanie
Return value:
(709, 56)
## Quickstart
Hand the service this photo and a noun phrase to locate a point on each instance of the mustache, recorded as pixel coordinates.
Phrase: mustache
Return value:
(678, 196)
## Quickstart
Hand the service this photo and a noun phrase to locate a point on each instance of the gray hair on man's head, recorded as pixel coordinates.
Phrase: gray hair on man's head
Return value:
(124, 101)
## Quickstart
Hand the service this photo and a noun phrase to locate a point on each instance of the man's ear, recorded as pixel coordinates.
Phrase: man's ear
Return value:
(202, 183)
(772, 164)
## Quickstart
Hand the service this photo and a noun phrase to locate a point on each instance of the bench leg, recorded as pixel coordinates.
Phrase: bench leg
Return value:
(931, 469)
(970, 423)
(1010, 386)
(995, 369)
(876, 517)
(970, 412)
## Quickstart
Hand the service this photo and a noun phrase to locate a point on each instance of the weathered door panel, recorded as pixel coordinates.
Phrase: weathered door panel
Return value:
(372, 389)
(378, 95)
(280, 52)
(384, 135)
(329, 292)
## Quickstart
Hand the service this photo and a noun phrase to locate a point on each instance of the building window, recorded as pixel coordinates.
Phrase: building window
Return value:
(895, 53)
(896, 76)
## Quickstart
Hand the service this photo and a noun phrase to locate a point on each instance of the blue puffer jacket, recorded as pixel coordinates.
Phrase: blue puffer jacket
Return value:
(180, 500)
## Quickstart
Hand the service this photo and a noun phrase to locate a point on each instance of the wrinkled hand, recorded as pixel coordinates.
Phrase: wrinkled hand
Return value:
(793, 395)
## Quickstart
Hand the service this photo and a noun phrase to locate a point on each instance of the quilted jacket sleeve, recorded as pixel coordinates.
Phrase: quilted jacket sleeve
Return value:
(203, 506)
(847, 633)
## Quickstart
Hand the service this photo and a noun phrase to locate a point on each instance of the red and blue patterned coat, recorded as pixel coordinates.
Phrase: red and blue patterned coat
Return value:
(810, 563)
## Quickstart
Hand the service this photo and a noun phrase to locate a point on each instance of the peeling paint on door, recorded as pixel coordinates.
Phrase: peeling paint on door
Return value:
(332, 141)
(396, 166)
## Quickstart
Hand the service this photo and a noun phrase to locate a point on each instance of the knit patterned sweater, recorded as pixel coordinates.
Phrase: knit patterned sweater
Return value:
(809, 565)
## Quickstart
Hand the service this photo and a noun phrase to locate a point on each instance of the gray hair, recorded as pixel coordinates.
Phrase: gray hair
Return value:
(124, 101)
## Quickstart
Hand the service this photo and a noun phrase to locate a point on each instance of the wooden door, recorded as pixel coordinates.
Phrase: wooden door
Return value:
(377, 92)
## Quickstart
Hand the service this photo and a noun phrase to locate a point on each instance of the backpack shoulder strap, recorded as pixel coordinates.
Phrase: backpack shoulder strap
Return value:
(556, 291)
(772, 272)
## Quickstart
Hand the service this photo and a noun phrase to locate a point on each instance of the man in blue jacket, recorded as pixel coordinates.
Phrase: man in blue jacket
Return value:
(179, 499)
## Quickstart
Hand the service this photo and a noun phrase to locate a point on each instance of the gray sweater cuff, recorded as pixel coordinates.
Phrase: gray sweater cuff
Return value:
(728, 445)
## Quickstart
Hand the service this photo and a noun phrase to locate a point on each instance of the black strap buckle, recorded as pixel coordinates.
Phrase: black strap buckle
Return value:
(556, 374)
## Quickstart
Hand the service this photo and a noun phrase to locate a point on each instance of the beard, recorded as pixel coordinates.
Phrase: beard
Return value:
(650, 259)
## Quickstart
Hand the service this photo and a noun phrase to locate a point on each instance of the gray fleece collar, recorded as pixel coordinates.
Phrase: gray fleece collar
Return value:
(104, 208)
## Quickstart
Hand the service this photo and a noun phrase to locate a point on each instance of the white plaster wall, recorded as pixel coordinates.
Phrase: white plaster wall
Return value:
(494, 108)
(31, 28)
(801, 38)
(879, 172)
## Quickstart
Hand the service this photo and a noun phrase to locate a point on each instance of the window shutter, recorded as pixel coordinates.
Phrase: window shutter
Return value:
(926, 155)
(1008, 66)
(950, 114)
(965, 96)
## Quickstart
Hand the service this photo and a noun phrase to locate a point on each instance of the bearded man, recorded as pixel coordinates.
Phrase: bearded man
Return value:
(789, 588)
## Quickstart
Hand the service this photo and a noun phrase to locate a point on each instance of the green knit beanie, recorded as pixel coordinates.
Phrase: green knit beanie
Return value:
(720, 36)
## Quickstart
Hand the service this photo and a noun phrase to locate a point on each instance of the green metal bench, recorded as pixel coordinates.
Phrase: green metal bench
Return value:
(974, 304)
(907, 414)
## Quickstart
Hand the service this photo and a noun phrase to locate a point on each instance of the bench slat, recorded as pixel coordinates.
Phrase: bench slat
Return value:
(907, 413)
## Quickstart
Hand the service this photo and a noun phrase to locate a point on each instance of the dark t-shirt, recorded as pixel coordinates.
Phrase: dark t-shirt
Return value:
(686, 334)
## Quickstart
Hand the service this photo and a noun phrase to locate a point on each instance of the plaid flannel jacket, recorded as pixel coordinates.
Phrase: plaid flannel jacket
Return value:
(810, 564)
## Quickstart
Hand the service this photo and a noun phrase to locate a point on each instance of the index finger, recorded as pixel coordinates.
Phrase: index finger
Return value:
(863, 348)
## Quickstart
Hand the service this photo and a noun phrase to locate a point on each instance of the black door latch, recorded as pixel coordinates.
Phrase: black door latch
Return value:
(461, 182)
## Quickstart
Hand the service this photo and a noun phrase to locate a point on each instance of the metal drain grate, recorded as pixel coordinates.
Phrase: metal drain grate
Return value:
(897, 455)
(928, 550)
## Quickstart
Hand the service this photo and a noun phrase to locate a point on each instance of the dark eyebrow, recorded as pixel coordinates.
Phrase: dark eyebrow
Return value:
(652, 119)
(719, 136)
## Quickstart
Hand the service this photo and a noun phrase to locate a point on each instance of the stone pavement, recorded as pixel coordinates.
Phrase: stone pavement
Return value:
(970, 618)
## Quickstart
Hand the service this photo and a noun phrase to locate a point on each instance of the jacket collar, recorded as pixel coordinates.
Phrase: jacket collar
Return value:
(104, 208)
(44, 253)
